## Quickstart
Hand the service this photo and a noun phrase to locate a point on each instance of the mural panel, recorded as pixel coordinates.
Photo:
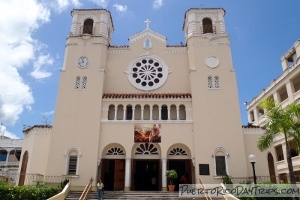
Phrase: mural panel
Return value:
(147, 133)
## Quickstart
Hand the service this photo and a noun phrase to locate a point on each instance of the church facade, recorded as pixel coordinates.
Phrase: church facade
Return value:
(126, 114)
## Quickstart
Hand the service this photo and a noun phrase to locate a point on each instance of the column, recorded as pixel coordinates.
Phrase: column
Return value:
(163, 174)
(177, 110)
(142, 114)
(169, 108)
(159, 113)
(127, 174)
(276, 97)
(289, 89)
(116, 110)
(133, 111)
(7, 157)
(151, 113)
(124, 113)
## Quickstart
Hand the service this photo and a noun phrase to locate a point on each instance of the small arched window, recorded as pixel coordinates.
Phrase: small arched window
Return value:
(72, 161)
(207, 25)
(147, 44)
(220, 156)
(88, 26)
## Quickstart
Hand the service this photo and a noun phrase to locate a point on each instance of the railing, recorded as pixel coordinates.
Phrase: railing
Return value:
(32, 179)
(206, 195)
(9, 164)
(86, 191)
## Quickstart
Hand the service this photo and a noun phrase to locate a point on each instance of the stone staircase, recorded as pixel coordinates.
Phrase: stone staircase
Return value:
(133, 195)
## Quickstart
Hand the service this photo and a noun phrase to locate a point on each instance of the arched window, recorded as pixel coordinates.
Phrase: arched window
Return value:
(155, 112)
(72, 160)
(147, 44)
(111, 112)
(220, 157)
(164, 112)
(173, 112)
(129, 112)
(137, 112)
(146, 112)
(182, 112)
(120, 112)
(88, 26)
(207, 25)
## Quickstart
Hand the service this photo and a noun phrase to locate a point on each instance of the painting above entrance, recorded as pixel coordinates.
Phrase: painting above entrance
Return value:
(147, 133)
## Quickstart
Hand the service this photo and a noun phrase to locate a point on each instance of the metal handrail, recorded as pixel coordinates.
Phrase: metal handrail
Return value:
(206, 195)
(86, 191)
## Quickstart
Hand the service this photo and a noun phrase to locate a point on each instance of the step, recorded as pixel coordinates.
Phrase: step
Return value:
(133, 195)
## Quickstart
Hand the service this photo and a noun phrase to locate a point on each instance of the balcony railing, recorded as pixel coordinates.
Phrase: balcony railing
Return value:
(9, 164)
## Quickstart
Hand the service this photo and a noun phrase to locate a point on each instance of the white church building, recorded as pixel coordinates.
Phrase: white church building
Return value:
(127, 113)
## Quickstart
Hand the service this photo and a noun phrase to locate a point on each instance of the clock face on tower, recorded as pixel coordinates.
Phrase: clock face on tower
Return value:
(83, 62)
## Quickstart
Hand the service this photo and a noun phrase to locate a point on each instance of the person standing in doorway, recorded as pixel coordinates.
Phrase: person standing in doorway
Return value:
(184, 179)
(153, 183)
(100, 187)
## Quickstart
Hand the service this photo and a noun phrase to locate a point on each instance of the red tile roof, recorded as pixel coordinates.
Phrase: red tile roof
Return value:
(146, 95)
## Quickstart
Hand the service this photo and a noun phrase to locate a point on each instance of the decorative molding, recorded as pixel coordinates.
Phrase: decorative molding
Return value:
(71, 149)
(222, 149)
(147, 149)
(118, 51)
(148, 33)
(177, 51)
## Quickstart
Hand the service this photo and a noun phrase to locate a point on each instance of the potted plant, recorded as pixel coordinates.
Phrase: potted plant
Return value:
(171, 175)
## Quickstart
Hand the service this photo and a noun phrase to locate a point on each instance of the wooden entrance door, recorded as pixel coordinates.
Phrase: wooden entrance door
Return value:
(119, 174)
(271, 168)
(23, 168)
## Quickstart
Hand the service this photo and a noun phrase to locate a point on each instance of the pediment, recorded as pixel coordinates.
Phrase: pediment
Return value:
(147, 33)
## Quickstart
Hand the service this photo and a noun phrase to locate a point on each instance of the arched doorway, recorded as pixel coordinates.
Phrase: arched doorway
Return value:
(146, 166)
(179, 159)
(23, 169)
(112, 167)
(271, 168)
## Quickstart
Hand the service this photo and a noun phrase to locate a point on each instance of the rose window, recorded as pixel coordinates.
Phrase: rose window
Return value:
(147, 73)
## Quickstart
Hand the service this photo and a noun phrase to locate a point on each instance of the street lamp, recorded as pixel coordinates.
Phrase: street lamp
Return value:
(252, 160)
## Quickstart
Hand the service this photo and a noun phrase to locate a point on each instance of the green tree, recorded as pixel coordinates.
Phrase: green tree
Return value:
(284, 121)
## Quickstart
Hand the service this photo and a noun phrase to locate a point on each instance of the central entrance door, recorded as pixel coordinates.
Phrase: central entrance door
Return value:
(146, 172)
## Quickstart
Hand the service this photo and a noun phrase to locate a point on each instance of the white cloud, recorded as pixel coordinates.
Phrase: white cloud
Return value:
(120, 8)
(157, 4)
(14, 95)
(39, 72)
(61, 5)
(18, 21)
(102, 3)
(4, 132)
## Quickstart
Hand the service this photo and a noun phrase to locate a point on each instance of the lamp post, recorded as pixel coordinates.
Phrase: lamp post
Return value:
(252, 160)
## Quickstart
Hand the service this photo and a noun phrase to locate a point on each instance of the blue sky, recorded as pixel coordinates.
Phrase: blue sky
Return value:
(33, 35)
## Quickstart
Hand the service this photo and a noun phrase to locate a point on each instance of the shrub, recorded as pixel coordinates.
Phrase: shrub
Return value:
(38, 192)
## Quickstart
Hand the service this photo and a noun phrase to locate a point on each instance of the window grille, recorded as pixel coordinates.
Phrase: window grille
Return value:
(72, 165)
(77, 83)
(84, 82)
(217, 82)
(209, 79)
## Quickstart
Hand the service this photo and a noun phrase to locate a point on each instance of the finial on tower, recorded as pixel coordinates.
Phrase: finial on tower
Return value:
(147, 23)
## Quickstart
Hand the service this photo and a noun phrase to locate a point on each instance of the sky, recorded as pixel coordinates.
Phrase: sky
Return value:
(33, 36)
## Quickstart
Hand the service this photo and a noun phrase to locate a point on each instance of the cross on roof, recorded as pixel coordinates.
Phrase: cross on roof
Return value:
(147, 23)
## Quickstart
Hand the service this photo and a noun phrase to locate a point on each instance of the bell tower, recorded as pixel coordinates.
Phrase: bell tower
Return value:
(215, 102)
(76, 126)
